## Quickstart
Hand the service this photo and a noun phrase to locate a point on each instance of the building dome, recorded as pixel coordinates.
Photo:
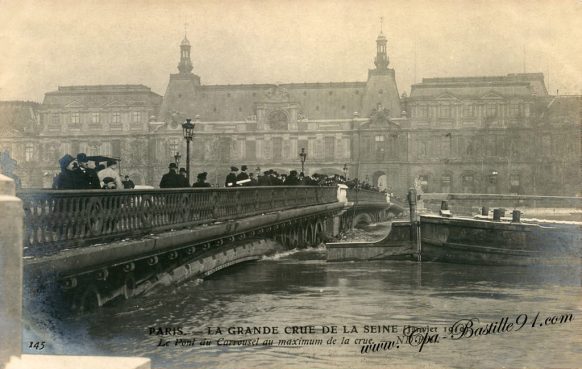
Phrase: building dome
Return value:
(185, 42)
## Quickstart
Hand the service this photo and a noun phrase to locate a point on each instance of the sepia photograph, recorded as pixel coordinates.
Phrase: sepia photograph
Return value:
(290, 184)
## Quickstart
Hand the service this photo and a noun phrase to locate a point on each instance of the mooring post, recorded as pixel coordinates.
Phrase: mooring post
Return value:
(414, 224)
(11, 228)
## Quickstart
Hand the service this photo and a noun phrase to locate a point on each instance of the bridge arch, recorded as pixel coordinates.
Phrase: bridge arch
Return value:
(362, 219)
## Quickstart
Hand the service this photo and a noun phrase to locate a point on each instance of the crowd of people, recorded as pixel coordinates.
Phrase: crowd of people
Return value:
(89, 173)
(236, 178)
(96, 172)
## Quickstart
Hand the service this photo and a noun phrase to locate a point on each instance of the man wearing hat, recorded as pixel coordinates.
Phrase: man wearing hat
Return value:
(275, 180)
(184, 176)
(265, 179)
(128, 183)
(292, 179)
(201, 180)
(89, 173)
(70, 177)
(231, 177)
(243, 176)
(172, 179)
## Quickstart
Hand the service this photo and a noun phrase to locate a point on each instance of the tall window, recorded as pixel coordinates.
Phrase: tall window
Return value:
(135, 117)
(329, 148)
(277, 148)
(445, 144)
(75, 118)
(491, 110)
(251, 150)
(116, 118)
(173, 147)
(379, 147)
(469, 111)
(514, 183)
(29, 152)
(514, 109)
(422, 111)
(56, 120)
(95, 118)
(445, 111)
(224, 151)
(468, 183)
(446, 183)
(422, 149)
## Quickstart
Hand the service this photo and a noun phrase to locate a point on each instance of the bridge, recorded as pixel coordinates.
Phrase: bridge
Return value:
(89, 247)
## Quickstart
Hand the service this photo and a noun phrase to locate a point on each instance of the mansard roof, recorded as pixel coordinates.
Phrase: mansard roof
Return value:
(98, 96)
(511, 85)
(333, 100)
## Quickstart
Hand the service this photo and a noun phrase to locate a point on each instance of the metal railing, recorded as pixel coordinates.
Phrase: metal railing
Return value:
(57, 220)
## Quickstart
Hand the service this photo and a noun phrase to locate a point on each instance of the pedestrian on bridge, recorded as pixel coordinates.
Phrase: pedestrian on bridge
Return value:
(89, 172)
(70, 177)
(184, 176)
(265, 179)
(128, 183)
(172, 179)
(110, 171)
(242, 177)
(201, 181)
(292, 179)
(231, 177)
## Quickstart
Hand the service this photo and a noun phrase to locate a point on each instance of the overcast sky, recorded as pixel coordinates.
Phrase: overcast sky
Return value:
(44, 44)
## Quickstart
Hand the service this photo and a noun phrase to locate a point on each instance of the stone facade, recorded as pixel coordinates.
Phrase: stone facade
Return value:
(502, 134)
(494, 135)
(97, 120)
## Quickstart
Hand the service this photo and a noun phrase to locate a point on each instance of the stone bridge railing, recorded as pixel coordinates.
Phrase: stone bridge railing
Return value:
(57, 220)
(366, 196)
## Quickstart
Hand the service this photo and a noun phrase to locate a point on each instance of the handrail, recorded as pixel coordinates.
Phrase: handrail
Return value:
(63, 219)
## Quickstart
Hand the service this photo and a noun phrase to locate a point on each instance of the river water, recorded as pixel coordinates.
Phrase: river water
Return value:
(301, 289)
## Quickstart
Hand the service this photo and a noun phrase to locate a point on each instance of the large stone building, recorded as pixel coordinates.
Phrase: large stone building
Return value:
(494, 135)
(110, 120)
(501, 134)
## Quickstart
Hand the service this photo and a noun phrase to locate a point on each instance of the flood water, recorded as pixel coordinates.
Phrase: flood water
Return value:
(301, 289)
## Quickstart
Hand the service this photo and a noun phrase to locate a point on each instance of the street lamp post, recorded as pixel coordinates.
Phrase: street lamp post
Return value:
(188, 130)
(177, 158)
(302, 157)
(346, 171)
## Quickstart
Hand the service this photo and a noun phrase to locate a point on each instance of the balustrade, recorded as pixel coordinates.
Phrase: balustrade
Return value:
(366, 196)
(57, 220)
